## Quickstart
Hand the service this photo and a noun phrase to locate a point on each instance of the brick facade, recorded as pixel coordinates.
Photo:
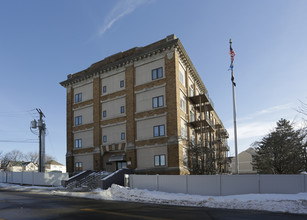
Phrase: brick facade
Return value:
(171, 51)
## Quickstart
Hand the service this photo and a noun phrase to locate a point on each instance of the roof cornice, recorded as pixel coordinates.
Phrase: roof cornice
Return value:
(135, 54)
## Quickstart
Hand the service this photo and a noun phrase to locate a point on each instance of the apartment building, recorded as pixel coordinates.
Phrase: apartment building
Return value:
(146, 109)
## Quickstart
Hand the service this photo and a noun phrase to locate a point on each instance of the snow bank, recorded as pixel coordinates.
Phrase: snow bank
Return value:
(291, 203)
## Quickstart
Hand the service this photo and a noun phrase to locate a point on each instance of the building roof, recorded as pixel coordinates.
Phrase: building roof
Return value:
(53, 162)
(250, 151)
(19, 163)
(123, 58)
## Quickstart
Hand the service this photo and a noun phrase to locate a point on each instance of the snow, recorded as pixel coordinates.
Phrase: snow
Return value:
(290, 203)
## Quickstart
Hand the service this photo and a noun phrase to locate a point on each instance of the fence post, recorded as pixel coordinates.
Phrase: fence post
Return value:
(259, 192)
(131, 176)
(304, 182)
(157, 181)
(221, 184)
(21, 178)
(32, 178)
(186, 184)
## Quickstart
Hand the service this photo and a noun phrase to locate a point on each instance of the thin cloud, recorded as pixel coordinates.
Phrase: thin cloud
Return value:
(274, 109)
(120, 10)
(260, 123)
(252, 130)
(267, 111)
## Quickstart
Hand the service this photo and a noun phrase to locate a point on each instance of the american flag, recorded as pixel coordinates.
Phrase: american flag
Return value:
(232, 54)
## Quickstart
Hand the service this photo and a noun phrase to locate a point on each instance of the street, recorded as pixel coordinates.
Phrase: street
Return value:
(26, 205)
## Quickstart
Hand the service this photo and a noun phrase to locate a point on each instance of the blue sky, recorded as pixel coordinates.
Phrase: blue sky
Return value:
(41, 42)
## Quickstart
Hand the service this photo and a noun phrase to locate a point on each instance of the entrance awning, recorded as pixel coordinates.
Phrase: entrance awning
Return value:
(114, 158)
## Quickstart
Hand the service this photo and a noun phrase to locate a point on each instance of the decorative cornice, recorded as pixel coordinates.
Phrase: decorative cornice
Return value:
(135, 54)
(121, 59)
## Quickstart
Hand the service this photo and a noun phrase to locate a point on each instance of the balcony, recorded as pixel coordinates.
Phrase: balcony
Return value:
(204, 124)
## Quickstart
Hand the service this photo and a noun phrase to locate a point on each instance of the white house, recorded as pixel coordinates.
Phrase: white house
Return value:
(245, 162)
(18, 166)
(54, 166)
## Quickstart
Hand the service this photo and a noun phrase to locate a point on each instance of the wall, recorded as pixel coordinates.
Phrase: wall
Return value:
(112, 81)
(144, 98)
(112, 108)
(143, 70)
(220, 185)
(86, 136)
(86, 113)
(33, 178)
(145, 156)
(144, 127)
(86, 159)
(86, 89)
(113, 133)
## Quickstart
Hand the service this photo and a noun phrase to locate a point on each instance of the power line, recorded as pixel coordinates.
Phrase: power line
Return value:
(25, 141)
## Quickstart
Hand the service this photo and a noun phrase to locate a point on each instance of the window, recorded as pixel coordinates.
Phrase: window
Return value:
(192, 116)
(104, 114)
(157, 101)
(104, 89)
(122, 136)
(181, 77)
(122, 84)
(157, 73)
(121, 164)
(78, 120)
(182, 104)
(78, 97)
(78, 143)
(160, 160)
(78, 166)
(122, 109)
(105, 139)
(159, 130)
(191, 91)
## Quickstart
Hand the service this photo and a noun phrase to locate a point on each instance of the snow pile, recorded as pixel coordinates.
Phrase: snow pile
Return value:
(291, 203)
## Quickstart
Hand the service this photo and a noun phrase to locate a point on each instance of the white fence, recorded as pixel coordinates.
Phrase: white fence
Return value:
(220, 185)
(33, 178)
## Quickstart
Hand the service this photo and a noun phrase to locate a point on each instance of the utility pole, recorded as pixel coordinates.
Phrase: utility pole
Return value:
(40, 124)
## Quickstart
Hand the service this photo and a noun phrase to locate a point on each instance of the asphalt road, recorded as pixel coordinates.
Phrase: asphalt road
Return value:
(25, 205)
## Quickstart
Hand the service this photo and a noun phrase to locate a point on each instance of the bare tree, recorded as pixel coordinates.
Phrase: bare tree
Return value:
(32, 156)
(14, 156)
(49, 158)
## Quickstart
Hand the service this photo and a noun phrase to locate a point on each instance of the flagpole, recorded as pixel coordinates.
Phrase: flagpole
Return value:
(234, 112)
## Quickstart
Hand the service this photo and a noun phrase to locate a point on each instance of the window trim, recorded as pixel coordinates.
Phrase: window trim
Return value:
(78, 97)
(78, 166)
(159, 130)
(78, 120)
(183, 104)
(123, 136)
(78, 143)
(122, 109)
(160, 102)
(155, 73)
(159, 157)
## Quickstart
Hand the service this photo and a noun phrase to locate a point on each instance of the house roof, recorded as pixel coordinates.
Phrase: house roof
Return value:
(137, 53)
(15, 163)
(19, 163)
(250, 151)
(53, 162)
